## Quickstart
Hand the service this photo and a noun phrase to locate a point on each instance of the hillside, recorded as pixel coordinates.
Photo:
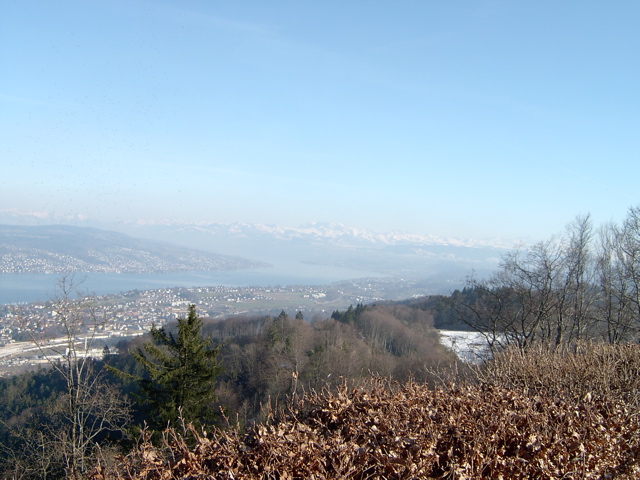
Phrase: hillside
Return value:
(300, 399)
(61, 249)
(442, 262)
(409, 432)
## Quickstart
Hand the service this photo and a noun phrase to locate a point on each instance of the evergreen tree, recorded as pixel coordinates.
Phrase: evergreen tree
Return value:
(181, 373)
(350, 315)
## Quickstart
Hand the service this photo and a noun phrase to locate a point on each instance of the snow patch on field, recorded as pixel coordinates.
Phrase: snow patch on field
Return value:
(469, 346)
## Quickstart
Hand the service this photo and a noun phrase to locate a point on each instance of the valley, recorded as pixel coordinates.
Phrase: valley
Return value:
(133, 313)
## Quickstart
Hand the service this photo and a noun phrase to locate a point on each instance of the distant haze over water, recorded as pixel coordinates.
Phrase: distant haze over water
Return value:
(24, 288)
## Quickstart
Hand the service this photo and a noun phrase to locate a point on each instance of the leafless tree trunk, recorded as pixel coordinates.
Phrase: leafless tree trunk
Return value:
(544, 293)
(619, 278)
(578, 293)
(90, 407)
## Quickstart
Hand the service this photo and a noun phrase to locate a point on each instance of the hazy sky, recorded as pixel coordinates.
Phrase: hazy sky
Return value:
(468, 118)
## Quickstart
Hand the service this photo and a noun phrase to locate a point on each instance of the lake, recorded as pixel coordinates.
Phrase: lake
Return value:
(24, 287)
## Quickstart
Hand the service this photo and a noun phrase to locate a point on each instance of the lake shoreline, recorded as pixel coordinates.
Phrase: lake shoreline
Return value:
(20, 288)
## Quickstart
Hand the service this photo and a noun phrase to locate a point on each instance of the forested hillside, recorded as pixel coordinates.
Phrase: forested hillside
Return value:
(260, 361)
(63, 248)
(288, 397)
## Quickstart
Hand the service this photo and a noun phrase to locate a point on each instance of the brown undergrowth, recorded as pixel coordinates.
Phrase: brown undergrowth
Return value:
(387, 431)
(570, 372)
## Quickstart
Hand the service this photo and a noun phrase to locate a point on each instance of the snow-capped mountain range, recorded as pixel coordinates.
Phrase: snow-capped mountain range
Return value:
(333, 233)
(328, 244)
(332, 244)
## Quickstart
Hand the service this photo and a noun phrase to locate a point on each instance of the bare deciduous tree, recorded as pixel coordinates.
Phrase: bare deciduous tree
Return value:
(544, 293)
(90, 407)
(618, 268)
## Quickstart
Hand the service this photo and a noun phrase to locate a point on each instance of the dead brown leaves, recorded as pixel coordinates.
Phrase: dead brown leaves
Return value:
(571, 372)
(410, 431)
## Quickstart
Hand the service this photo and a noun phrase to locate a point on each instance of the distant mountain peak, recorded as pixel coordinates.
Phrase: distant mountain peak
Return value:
(329, 232)
(62, 248)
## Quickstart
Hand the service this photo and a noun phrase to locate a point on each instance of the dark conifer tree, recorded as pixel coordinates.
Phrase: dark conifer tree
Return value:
(181, 373)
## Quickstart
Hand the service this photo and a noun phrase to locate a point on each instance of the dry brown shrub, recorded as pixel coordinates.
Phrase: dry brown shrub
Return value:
(389, 431)
(570, 372)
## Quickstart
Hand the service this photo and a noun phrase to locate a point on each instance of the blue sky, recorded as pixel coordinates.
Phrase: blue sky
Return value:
(473, 119)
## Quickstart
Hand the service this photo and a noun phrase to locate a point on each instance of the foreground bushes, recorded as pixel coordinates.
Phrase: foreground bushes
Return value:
(409, 431)
(570, 372)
